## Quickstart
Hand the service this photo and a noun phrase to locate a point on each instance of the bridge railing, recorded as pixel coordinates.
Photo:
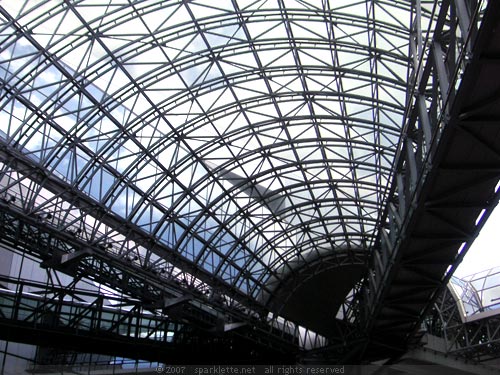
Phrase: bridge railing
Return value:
(62, 309)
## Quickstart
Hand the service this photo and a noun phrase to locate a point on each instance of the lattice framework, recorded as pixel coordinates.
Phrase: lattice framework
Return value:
(228, 143)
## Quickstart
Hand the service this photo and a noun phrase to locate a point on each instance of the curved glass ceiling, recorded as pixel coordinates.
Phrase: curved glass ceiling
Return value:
(243, 136)
(477, 293)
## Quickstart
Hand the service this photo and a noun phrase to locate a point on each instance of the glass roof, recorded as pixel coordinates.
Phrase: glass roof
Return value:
(479, 292)
(243, 136)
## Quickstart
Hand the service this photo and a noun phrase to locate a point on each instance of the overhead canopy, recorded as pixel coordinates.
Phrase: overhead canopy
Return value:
(248, 137)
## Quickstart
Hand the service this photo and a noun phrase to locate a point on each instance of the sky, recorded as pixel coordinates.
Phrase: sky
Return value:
(484, 253)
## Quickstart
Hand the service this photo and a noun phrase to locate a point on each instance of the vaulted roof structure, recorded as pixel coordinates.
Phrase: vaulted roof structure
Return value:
(244, 148)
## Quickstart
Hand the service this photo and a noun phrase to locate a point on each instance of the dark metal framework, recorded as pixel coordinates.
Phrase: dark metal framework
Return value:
(235, 138)
(80, 318)
(230, 144)
(467, 333)
(440, 196)
(207, 153)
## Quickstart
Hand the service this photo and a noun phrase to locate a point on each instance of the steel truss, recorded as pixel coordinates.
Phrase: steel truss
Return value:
(475, 340)
(304, 179)
(318, 182)
(441, 195)
(86, 320)
(154, 292)
(215, 157)
(28, 307)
